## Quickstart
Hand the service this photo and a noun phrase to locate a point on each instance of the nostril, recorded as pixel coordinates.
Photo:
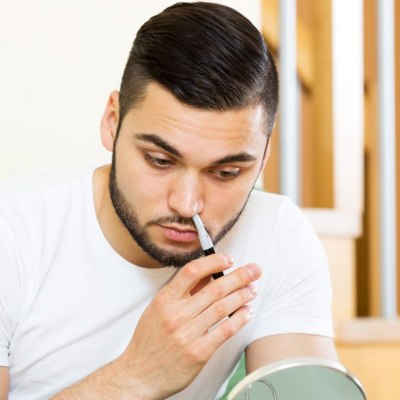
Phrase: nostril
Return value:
(196, 208)
(185, 205)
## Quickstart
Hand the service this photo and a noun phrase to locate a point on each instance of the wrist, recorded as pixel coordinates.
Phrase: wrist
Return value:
(132, 381)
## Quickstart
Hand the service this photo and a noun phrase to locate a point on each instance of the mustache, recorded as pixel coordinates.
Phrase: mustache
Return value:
(173, 219)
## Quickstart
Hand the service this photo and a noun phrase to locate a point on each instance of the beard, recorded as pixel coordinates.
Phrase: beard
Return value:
(127, 214)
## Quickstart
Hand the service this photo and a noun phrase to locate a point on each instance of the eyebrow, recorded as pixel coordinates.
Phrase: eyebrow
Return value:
(240, 157)
(155, 139)
(158, 141)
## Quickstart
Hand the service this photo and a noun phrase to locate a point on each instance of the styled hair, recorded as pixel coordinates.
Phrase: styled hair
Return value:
(207, 55)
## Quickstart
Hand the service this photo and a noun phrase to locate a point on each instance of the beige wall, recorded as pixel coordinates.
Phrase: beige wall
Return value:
(59, 61)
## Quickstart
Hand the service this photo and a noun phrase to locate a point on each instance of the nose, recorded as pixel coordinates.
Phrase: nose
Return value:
(186, 195)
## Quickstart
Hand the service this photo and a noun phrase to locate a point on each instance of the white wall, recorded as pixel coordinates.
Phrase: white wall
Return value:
(58, 62)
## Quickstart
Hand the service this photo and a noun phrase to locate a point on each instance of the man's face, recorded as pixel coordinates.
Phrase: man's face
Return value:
(171, 161)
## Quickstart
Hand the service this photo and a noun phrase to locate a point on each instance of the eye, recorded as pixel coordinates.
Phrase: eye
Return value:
(158, 162)
(226, 174)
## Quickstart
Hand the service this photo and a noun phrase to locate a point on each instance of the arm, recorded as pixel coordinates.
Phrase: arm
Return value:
(274, 348)
(171, 342)
(295, 319)
(4, 381)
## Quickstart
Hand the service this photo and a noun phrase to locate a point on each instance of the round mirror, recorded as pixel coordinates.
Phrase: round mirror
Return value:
(299, 379)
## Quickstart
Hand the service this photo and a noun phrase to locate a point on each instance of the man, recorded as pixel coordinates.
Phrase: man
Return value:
(104, 292)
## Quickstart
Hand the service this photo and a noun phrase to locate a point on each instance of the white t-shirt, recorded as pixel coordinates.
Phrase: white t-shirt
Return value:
(69, 303)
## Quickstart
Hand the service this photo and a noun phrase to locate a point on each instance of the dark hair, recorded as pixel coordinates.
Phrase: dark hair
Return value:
(207, 55)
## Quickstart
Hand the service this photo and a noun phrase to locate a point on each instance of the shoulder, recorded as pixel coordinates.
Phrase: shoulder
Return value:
(33, 213)
(261, 227)
(36, 190)
(270, 211)
(293, 241)
(266, 203)
(32, 186)
(28, 204)
(273, 226)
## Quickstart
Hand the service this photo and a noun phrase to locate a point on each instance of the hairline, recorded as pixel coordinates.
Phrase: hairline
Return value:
(141, 96)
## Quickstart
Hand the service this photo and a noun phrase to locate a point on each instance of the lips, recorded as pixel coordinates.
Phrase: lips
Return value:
(179, 235)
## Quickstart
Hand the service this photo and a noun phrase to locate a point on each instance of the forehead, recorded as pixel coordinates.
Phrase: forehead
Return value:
(182, 125)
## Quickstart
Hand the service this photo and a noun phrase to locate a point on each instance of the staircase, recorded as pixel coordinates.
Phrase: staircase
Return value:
(336, 69)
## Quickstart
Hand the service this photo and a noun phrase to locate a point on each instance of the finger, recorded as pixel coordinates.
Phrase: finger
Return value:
(222, 287)
(208, 343)
(223, 308)
(191, 274)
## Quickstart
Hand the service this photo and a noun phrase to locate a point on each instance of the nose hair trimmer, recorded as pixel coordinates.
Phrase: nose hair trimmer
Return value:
(205, 241)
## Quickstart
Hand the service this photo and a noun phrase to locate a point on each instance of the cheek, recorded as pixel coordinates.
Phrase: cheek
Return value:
(137, 185)
(224, 205)
(143, 189)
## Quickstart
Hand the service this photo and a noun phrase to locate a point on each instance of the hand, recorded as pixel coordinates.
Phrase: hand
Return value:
(171, 342)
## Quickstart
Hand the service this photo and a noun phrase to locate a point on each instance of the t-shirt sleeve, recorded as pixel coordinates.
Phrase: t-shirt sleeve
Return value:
(10, 290)
(296, 292)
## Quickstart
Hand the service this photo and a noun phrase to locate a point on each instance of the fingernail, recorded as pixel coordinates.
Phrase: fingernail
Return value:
(249, 312)
(254, 270)
(228, 259)
(253, 290)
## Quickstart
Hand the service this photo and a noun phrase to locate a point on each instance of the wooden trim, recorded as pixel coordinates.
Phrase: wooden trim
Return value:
(397, 69)
(368, 330)
(341, 253)
(368, 248)
(321, 162)
(329, 222)
(348, 103)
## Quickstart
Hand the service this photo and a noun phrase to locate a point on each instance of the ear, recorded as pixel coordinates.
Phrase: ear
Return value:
(109, 121)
